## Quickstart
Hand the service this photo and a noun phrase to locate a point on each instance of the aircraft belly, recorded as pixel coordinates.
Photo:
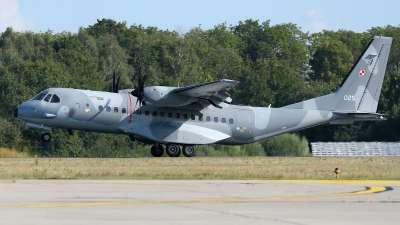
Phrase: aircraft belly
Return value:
(192, 134)
(288, 120)
(284, 119)
(176, 132)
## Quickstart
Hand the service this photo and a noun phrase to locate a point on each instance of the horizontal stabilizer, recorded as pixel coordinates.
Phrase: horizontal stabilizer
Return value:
(360, 114)
(357, 116)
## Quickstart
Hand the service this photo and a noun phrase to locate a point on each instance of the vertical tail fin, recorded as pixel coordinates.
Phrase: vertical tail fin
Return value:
(361, 89)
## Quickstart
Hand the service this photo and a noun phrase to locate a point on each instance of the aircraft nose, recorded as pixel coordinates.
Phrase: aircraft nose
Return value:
(16, 112)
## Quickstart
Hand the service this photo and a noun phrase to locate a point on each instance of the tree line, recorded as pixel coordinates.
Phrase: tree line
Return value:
(277, 65)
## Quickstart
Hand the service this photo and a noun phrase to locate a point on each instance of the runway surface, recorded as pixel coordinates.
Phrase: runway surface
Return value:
(199, 202)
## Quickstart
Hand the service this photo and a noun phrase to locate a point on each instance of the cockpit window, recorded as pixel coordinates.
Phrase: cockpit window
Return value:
(39, 96)
(55, 99)
(47, 98)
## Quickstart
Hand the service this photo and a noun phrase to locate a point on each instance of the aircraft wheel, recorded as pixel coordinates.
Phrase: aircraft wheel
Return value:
(157, 150)
(46, 137)
(189, 150)
(173, 150)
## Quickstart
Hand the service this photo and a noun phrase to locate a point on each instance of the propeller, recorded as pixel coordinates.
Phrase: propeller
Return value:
(139, 91)
(115, 85)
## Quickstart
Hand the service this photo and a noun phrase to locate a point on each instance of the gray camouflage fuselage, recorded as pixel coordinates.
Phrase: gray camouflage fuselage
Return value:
(181, 119)
(79, 110)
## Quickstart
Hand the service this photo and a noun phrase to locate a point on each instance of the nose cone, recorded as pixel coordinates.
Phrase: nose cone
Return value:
(16, 112)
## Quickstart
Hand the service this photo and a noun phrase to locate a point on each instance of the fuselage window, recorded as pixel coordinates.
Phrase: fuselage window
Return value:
(108, 108)
(146, 113)
(162, 114)
(216, 119)
(208, 119)
(177, 115)
(169, 114)
(115, 109)
(39, 97)
(231, 121)
(154, 113)
(77, 106)
(123, 110)
(185, 116)
(47, 99)
(200, 118)
(55, 99)
(192, 117)
(223, 120)
(100, 108)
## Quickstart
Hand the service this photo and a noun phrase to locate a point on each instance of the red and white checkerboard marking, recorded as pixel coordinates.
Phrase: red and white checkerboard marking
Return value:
(361, 73)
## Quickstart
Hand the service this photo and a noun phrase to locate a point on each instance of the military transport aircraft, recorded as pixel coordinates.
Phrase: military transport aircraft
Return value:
(202, 113)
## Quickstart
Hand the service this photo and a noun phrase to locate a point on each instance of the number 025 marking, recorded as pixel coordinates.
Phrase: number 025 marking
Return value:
(349, 97)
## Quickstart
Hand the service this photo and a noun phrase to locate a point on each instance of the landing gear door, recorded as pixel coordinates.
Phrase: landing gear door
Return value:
(242, 125)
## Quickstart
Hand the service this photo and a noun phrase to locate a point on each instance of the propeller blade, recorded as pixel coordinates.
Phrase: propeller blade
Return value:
(113, 82)
(135, 93)
(139, 90)
(137, 100)
(117, 85)
(142, 83)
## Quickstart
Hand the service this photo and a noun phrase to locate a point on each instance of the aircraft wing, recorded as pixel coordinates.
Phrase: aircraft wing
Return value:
(205, 90)
(198, 95)
(213, 93)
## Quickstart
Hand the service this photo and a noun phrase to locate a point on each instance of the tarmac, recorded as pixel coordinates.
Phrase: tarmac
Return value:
(151, 202)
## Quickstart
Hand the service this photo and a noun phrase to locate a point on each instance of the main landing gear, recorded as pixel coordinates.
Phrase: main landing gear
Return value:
(157, 150)
(173, 150)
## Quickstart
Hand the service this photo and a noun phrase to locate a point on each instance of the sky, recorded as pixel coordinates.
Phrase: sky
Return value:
(182, 15)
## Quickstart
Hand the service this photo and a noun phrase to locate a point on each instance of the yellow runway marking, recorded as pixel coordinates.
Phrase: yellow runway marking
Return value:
(379, 182)
(369, 190)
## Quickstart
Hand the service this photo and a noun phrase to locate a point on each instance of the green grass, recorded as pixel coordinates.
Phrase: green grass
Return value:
(276, 168)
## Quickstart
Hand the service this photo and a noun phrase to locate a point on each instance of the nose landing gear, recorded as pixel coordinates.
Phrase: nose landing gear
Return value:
(46, 137)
